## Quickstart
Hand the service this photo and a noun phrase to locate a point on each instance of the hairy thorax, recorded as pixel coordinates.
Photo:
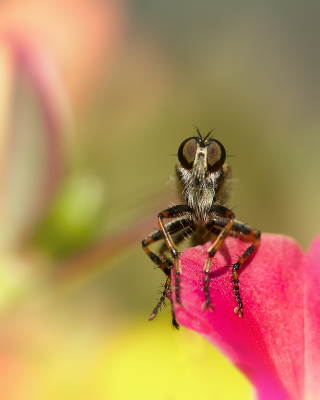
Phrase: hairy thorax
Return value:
(199, 191)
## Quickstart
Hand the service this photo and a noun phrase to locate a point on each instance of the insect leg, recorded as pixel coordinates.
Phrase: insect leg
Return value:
(229, 216)
(172, 228)
(253, 235)
(248, 233)
(173, 212)
(165, 266)
(161, 301)
(177, 239)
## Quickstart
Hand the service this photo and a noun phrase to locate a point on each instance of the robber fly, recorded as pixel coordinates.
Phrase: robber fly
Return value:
(203, 176)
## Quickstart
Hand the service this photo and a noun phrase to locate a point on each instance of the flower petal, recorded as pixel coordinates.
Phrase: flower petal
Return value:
(267, 344)
(312, 320)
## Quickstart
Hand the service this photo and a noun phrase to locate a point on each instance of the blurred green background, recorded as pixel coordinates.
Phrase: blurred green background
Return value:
(96, 98)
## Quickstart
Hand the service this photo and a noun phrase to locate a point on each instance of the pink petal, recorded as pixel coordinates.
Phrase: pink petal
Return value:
(267, 344)
(312, 320)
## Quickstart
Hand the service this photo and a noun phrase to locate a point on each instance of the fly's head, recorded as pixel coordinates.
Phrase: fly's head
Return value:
(200, 170)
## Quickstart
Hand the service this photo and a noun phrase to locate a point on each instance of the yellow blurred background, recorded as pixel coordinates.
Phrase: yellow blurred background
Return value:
(96, 97)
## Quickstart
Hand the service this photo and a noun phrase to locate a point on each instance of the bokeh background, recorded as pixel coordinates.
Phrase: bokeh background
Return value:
(95, 98)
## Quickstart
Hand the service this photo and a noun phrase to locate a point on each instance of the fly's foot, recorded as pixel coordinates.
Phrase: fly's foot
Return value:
(151, 316)
(239, 311)
(207, 304)
(174, 321)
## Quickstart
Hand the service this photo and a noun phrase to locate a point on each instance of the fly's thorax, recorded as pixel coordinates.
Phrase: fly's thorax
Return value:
(199, 187)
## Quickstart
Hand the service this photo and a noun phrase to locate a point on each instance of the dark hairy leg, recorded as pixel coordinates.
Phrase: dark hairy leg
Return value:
(248, 233)
(162, 261)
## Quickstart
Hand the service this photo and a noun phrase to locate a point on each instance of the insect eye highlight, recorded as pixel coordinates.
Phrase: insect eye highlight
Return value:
(187, 152)
(216, 155)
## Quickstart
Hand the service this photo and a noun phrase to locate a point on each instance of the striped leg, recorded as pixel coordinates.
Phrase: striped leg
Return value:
(255, 236)
(248, 233)
(179, 237)
(173, 212)
(161, 301)
(165, 266)
(172, 227)
(229, 216)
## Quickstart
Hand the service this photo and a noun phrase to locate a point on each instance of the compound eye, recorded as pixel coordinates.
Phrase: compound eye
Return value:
(216, 155)
(187, 152)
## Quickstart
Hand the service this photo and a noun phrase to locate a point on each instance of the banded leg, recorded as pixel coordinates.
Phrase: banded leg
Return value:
(161, 301)
(173, 212)
(165, 266)
(167, 286)
(172, 227)
(248, 233)
(227, 214)
(255, 236)
(177, 238)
